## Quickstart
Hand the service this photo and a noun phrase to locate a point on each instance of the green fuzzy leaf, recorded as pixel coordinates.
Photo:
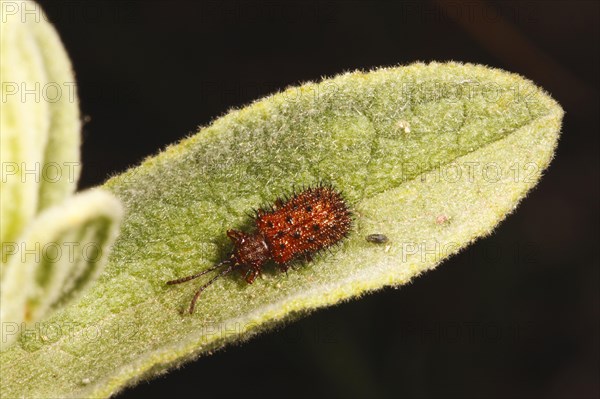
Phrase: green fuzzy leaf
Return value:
(40, 118)
(61, 165)
(41, 268)
(432, 156)
(59, 254)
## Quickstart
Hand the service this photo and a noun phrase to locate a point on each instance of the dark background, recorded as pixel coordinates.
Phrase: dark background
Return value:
(514, 315)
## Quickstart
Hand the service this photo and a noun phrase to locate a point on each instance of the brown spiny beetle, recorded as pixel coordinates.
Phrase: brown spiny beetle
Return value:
(293, 228)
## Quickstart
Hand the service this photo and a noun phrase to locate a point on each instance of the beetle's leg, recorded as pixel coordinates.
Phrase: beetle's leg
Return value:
(251, 275)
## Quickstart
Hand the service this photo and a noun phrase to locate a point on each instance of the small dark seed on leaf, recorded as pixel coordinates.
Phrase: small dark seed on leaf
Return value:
(377, 238)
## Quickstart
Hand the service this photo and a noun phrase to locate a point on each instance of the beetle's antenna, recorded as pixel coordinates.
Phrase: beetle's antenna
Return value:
(212, 280)
(202, 273)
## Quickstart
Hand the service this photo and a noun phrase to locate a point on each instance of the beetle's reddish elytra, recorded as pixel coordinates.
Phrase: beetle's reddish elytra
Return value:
(293, 228)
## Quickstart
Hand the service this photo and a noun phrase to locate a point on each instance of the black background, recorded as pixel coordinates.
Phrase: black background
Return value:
(514, 315)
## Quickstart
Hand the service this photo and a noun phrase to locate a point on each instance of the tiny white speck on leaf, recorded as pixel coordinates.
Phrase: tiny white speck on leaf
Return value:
(404, 125)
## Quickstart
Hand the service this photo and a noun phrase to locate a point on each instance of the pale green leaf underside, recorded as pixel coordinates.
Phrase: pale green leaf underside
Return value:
(40, 121)
(44, 228)
(60, 253)
(389, 139)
